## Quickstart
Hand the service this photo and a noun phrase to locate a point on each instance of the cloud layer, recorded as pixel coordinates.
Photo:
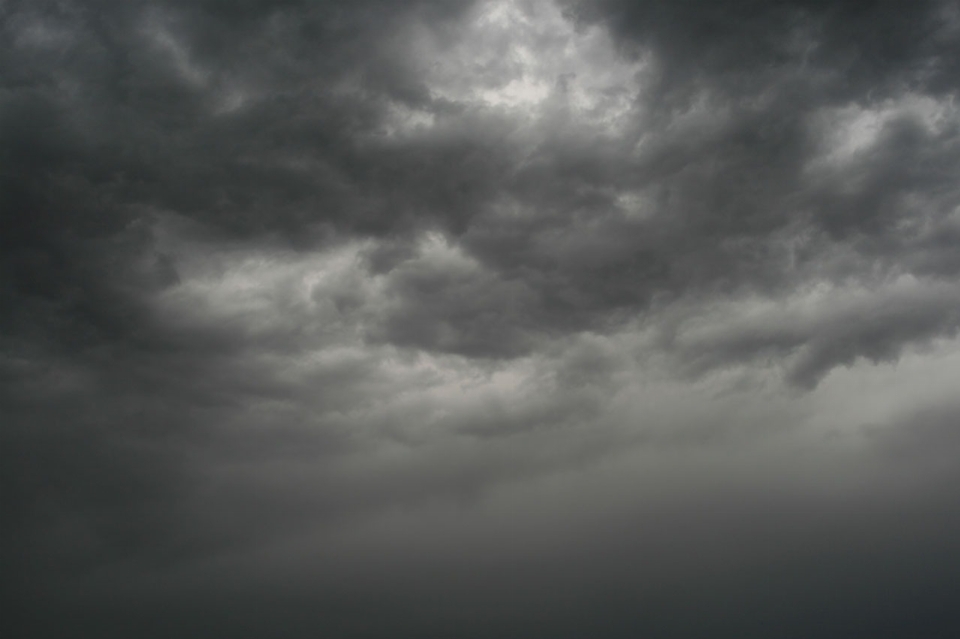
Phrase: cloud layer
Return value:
(507, 318)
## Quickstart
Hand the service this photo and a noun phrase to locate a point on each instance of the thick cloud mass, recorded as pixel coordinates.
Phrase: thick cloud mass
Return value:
(506, 318)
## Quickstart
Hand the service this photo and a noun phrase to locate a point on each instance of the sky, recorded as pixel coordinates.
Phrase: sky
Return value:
(476, 319)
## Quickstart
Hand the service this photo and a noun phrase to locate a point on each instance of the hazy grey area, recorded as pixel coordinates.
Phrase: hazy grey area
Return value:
(503, 319)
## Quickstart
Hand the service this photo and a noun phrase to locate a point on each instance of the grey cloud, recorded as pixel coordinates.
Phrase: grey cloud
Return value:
(815, 336)
(302, 152)
(732, 45)
(835, 548)
(465, 319)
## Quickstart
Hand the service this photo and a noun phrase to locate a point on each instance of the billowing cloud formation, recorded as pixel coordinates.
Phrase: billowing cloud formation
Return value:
(507, 318)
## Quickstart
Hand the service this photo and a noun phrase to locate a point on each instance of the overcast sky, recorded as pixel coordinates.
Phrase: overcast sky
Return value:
(499, 319)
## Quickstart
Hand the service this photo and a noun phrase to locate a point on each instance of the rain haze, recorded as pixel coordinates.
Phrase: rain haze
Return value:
(480, 319)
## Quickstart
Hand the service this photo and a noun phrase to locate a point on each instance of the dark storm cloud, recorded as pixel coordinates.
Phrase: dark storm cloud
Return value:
(271, 118)
(465, 318)
(859, 46)
(108, 113)
(820, 334)
(826, 548)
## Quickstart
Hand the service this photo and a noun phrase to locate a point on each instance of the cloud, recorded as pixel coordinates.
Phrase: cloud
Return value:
(479, 318)
(821, 328)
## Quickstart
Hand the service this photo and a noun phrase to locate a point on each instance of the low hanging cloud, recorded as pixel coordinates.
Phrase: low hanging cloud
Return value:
(504, 318)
